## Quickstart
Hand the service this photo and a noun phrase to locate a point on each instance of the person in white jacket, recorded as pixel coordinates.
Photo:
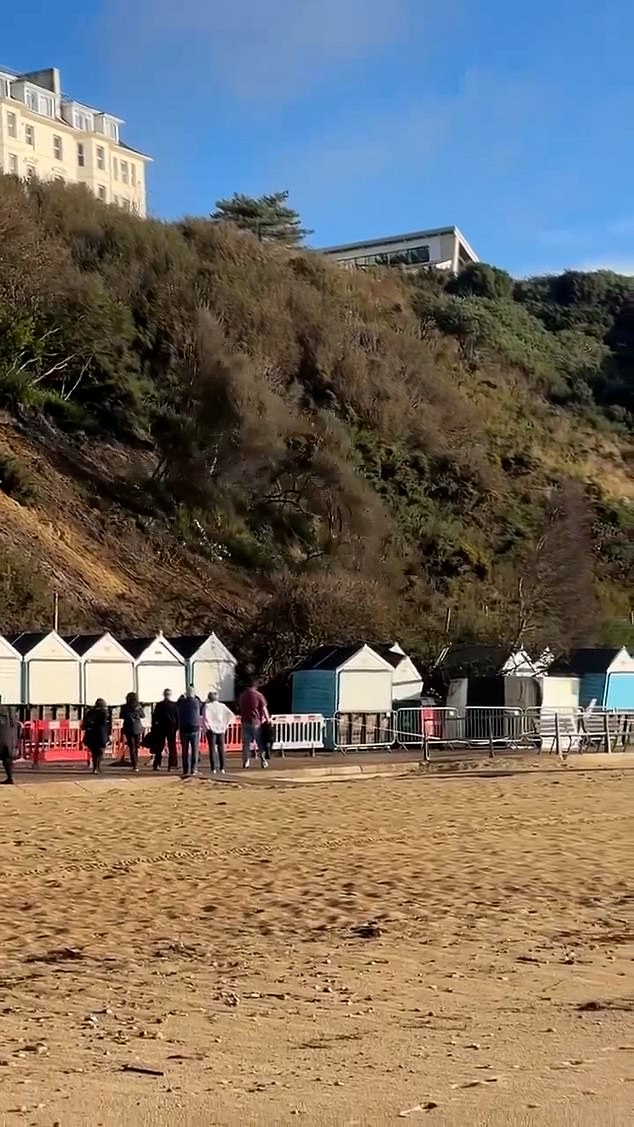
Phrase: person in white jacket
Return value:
(216, 719)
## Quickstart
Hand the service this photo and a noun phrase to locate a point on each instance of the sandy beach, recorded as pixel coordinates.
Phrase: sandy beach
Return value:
(451, 951)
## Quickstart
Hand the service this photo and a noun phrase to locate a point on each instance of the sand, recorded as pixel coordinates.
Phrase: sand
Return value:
(209, 933)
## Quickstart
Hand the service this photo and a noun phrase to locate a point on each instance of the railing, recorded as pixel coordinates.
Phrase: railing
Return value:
(446, 730)
(432, 731)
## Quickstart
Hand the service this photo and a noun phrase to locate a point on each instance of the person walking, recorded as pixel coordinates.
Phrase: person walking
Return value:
(133, 716)
(267, 737)
(97, 733)
(253, 713)
(9, 731)
(189, 721)
(216, 719)
(164, 729)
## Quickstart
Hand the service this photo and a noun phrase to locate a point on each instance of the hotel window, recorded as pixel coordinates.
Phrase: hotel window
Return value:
(13, 164)
(101, 158)
(125, 203)
(57, 148)
(33, 100)
(411, 256)
(101, 192)
(12, 125)
(133, 174)
(29, 135)
(81, 155)
(113, 130)
(83, 121)
(124, 171)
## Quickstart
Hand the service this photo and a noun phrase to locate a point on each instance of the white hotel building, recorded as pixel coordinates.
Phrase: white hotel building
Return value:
(43, 133)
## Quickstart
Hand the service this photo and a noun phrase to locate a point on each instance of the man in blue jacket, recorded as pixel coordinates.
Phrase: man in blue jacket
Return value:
(189, 722)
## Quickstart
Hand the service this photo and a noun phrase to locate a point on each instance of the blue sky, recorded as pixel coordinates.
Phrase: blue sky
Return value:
(514, 121)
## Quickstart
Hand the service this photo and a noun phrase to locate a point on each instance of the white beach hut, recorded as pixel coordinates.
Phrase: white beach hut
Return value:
(157, 666)
(107, 669)
(51, 670)
(209, 664)
(10, 673)
(407, 683)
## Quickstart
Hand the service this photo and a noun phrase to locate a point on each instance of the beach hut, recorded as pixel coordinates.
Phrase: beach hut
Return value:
(107, 669)
(490, 677)
(605, 675)
(560, 693)
(209, 665)
(407, 683)
(10, 673)
(349, 679)
(157, 666)
(487, 689)
(51, 670)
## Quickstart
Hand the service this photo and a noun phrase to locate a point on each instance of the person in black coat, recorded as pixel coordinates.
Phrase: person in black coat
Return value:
(164, 729)
(9, 732)
(133, 715)
(97, 733)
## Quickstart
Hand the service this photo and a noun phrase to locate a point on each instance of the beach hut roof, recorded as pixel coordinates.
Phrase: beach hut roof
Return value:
(394, 655)
(205, 646)
(188, 644)
(27, 642)
(81, 643)
(333, 657)
(136, 647)
(586, 660)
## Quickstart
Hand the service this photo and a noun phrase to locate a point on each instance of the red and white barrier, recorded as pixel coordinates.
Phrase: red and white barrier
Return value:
(297, 732)
(53, 741)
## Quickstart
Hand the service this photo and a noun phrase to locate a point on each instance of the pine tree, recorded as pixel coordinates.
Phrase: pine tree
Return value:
(266, 216)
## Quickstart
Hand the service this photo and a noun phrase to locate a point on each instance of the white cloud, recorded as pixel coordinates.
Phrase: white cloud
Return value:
(259, 49)
(616, 265)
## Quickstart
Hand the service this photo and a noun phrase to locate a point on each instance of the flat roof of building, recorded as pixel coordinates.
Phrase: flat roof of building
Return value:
(410, 236)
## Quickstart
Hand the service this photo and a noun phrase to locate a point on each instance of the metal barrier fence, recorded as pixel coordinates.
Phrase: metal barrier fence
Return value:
(561, 731)
(549, 730)
(61, 741)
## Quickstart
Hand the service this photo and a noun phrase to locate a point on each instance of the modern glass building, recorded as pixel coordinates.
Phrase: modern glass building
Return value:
(444, 248)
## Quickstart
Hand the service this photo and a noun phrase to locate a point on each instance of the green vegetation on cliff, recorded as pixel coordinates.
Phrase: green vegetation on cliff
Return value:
(301, 452)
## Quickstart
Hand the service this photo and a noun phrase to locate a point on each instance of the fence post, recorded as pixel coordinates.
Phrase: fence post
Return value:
(557, 735)
(490, 733)
(606, 733)
(35, 763)
(426, 758)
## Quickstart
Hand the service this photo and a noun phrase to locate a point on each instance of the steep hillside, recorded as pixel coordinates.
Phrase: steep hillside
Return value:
(201, 430)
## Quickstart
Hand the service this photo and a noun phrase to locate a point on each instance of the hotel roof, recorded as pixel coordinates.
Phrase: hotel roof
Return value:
(389, 240)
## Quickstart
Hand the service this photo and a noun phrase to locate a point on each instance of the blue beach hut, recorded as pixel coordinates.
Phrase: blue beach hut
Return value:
(343, 679)
(605, 676)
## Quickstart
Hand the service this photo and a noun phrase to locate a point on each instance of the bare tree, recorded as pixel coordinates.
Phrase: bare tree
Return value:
(555, 596)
